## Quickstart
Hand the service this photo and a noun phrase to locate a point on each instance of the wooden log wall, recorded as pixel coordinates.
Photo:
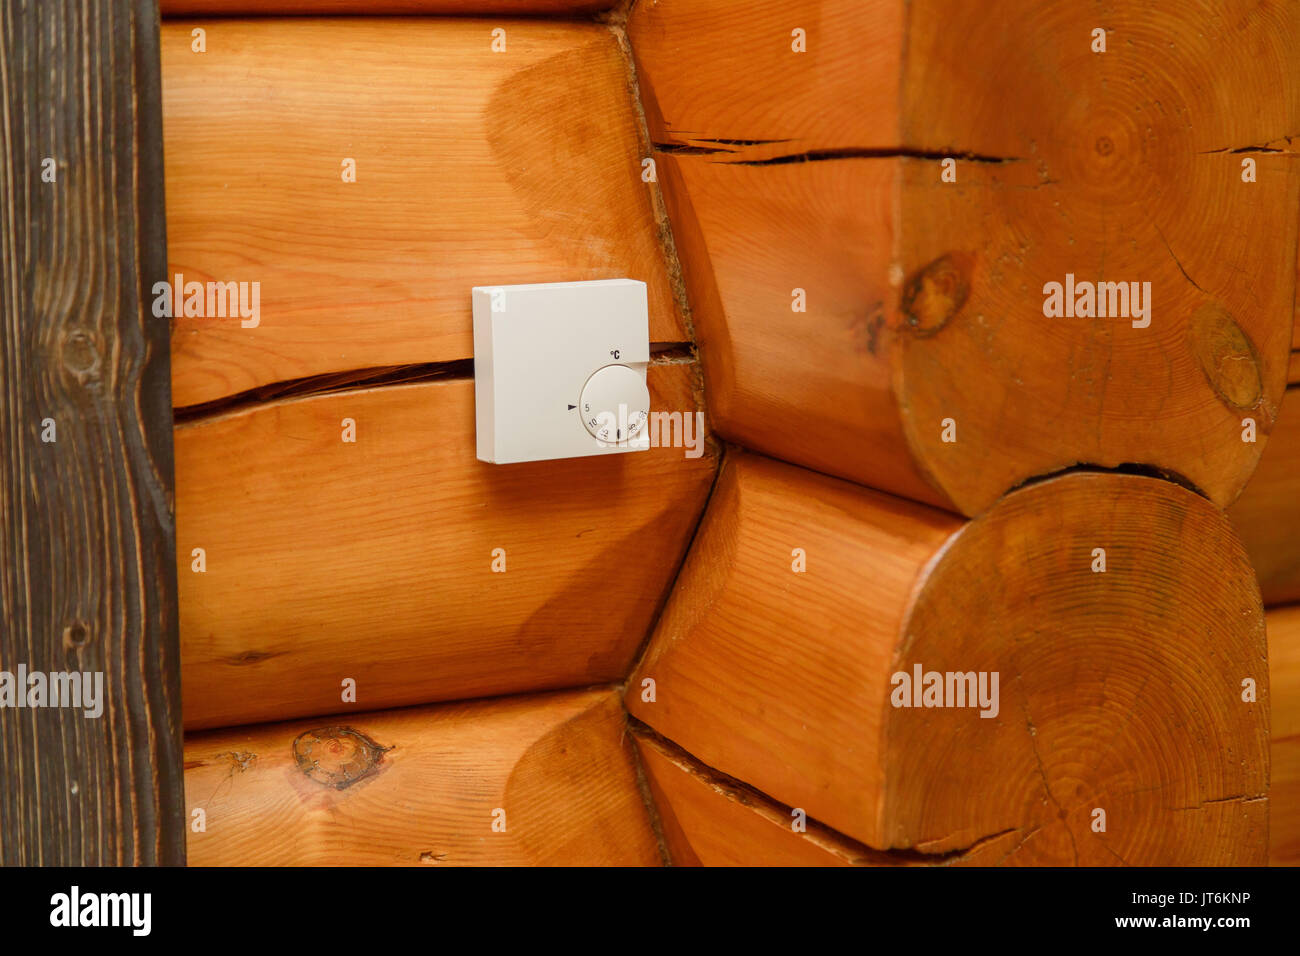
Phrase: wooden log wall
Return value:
(902, 340)
(923, 471)
(340, 548)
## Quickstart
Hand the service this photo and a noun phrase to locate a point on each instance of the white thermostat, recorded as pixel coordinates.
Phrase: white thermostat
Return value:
(559, 369)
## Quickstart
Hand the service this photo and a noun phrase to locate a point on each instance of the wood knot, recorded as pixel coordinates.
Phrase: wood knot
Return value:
(247, 658)
(81, 352)
(337, 756)
(933, 295)
(1227, 356)
(241, 760)
(76, 634)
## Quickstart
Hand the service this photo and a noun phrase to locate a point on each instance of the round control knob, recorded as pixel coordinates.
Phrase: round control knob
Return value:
(608, 389)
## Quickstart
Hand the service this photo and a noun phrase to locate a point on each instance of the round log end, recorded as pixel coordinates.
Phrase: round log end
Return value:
(1110, 630)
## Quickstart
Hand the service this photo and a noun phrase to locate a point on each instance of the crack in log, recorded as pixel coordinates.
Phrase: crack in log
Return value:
(1175, 258)
(1042, 772)
(948, 856)
(1261, 148)
(685, 149)
(826, 155)
(1023, 840)
(1107, 848)
(1236, 798)
(1123, 468)
(749, 796)
(661, 353)
(658, 202)
(743, 142)
(326, 383)
(716, 145)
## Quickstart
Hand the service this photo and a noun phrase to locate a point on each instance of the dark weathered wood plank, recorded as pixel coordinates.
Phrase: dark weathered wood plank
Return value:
(87, 540)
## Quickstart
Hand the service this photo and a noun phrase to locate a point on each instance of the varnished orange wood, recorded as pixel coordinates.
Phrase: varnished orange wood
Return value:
(424, 786)
(1267, 515)
(741, 89)
(1284, 691)
(708, 824)
(1119, 690)
(1129, 172)
(473, 167)
(374, 560)
(709, 820)
(812, 387)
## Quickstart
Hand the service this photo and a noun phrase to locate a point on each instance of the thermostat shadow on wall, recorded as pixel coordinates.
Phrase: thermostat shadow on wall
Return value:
(560, 370)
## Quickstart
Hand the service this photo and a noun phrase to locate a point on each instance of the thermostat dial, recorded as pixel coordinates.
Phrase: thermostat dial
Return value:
(615, 403)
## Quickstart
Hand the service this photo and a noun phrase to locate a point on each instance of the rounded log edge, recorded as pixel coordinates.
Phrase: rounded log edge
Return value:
(1128, 719)
(1119, 613)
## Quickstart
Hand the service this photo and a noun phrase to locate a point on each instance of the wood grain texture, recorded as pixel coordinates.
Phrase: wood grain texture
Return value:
(711, 820)
(739, 88)
(1119, 690)
(1267, 515)
(473, 168)
(373, 560)
(706, 823)
(776, 677)
(87, 579)
(812, 387)
(1125, 173)
(262, 8)
(1284, 690)
(420, 786)
(1130, 172)
(1293, 378)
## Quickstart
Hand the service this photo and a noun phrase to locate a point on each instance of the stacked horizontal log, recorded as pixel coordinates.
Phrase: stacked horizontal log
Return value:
(708, 819)
(876, 327)
(922, 299)
(544, 780)
(468, 164)
(374, 561)
(777, 662)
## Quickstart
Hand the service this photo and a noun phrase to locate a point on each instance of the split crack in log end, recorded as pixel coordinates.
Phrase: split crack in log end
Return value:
(1238, 798)
(1063, 816)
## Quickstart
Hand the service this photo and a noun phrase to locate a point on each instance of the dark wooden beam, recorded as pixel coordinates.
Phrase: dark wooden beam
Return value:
(87, 539)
